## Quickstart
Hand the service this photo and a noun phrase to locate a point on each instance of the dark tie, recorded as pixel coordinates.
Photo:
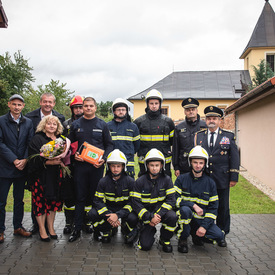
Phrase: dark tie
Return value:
(212, 141)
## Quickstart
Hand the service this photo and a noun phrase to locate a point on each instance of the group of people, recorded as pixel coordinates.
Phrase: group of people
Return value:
(204, 156)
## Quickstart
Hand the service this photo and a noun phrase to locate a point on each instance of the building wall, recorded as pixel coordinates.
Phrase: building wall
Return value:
(175, 111)
(256, 138)
(254, 58)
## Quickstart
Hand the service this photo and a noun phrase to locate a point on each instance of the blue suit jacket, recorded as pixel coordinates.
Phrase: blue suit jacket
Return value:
(224, 159)
(14, 140)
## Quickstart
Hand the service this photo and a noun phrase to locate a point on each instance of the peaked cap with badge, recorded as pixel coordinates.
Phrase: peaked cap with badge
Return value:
(213, 111)
(190, 103)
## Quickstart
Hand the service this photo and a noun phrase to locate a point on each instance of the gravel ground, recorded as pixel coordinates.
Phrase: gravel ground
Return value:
(256, 182)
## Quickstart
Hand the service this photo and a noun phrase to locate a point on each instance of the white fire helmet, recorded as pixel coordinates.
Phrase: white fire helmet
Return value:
(198, 153)
(154, 154)
(119, 102)
(117, 156)
(154, 94)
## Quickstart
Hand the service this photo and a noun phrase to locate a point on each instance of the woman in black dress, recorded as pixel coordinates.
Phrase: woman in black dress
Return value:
(45, 177)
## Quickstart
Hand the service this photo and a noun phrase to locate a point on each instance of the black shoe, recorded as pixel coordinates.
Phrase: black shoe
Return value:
(74, 236)
(88, 228)
(106, 238)
(183, 246)
(222, 243)
(68, 229)
(44, 239)
(166, 246)
(54, 237)
(34, 229)
(197, 241)
(97, 236)
(131, 237)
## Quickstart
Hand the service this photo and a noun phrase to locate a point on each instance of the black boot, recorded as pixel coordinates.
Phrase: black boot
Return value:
(69, 217)
(182, 246)
(166, 246)
(75, 235)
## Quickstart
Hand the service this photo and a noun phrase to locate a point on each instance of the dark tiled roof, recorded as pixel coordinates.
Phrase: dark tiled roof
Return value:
(200, 85)
(264, 32)
(3, 17)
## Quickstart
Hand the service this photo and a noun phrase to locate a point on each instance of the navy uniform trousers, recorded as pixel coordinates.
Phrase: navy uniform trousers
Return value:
(147, 233)
(190, 225)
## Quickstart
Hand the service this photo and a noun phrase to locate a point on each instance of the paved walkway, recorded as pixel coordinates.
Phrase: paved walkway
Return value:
(251, 250)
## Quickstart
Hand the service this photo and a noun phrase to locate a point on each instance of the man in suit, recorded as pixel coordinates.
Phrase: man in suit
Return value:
(47, 103)
(224, 162)
(16, 132)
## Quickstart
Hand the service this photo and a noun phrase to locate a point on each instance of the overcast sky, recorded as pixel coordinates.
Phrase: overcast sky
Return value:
(108, 49)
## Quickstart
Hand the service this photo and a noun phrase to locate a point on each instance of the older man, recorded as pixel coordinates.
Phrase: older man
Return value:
(184, 135)
(47, 103)
(16, 132)
(224, 162)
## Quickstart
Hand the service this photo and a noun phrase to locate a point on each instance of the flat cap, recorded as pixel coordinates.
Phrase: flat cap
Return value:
(213, 111)
(190, 103)
(16, 96)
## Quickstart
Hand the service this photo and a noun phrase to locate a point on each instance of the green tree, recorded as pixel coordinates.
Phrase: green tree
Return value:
(62, 95)
(262, 73)
(104, 109)
(15, 77)
(17, 73)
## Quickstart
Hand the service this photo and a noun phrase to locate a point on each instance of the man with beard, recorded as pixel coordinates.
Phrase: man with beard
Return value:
(224, 162)
(125, 134)
(156, 131)
(197, 201)
(184, 135)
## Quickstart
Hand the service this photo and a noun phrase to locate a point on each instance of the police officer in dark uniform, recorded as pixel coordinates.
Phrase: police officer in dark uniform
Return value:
(156, 131)
(224, 162)
(184, 135)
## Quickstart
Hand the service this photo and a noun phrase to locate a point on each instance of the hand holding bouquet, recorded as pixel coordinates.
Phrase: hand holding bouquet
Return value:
(57, 149)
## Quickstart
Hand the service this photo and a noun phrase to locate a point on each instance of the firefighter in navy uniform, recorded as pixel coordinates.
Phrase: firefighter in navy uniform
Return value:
(112, 202)
(156, 131)
(197, 203)
(76, 106)
(224, 162)
(94, 131)
(125, 134)
(184, 135)
(153, 200)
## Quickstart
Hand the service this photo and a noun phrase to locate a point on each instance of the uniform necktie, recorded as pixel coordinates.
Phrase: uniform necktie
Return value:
(212, 141)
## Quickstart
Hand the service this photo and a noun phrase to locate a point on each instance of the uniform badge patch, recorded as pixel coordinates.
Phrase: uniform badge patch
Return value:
(183, 130)
(225, 140)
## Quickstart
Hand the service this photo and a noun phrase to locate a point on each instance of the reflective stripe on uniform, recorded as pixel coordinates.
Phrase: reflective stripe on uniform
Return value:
(154, 137)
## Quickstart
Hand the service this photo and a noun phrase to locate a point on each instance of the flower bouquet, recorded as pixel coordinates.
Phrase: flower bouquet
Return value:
(59, 148)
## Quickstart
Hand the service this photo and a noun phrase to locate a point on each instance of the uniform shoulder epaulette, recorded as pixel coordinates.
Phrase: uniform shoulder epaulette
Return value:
(201, 130)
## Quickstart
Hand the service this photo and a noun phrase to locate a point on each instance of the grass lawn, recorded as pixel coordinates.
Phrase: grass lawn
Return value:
(244, 198)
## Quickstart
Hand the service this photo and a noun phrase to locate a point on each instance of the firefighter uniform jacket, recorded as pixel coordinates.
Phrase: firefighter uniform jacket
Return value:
(125, 136)
(114, 196)
(155, 132)
(184, 142)
(152, 196)
(201, 191)
(224, 159)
